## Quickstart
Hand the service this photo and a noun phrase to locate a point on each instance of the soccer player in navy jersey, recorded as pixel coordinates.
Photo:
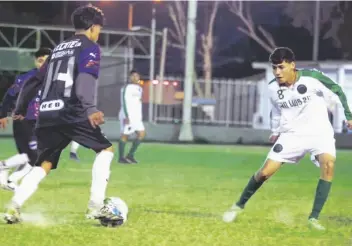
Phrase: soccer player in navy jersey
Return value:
(23, 130)
(68, 112)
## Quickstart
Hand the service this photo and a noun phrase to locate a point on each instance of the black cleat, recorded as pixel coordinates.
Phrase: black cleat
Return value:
(131, 159)
(124, 161)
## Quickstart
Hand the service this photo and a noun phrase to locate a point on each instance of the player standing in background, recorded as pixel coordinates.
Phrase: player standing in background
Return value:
(130, 117)
(300, 125)
(68, 111)
(23, 130)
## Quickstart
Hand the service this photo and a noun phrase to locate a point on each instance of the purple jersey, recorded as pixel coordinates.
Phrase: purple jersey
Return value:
(14, 90)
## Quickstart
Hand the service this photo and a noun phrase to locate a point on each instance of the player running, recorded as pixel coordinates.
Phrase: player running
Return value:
(300, 125)
(68, 111)
(131, 117)
(23, 130)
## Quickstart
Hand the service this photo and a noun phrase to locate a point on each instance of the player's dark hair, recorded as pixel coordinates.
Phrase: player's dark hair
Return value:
(42, 52)
(282, 54)
(133, 71)
(86, 16)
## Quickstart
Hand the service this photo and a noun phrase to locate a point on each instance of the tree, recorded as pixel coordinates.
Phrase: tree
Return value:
(178, 16)
(256, 32)
(301, 15)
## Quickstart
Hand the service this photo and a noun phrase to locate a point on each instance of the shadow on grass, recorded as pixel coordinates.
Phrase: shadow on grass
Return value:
(340, 220)
(183, 213)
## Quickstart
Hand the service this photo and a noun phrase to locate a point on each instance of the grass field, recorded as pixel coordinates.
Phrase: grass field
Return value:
(177, 195)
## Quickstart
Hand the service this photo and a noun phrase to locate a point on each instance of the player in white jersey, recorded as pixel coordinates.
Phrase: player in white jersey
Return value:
(300, 125)
(131, 117)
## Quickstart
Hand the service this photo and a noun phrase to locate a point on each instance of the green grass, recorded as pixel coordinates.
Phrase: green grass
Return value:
(177, 195)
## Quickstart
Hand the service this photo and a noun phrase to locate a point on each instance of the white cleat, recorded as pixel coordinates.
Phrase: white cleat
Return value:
(11, 186)
(315, 224)
(231, 214)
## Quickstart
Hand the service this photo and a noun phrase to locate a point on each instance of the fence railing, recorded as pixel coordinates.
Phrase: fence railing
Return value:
(233, 103)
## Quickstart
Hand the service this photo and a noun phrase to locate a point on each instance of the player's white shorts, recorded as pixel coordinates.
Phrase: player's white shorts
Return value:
(290, 148)
(132, 127)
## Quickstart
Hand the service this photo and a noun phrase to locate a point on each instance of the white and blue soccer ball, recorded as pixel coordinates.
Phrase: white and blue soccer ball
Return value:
(116, 211)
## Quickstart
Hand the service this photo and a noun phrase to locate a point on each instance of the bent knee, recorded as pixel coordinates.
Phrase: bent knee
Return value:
(110, 149)
(141, 134)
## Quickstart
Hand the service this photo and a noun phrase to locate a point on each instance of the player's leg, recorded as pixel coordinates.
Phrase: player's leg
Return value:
(325, 154)
(17, 160)
(287, 149)
(92, 138)
(29, 147)
(140, 130)
(50, 144)
(73, 151)
(125, 131)
(255, 182)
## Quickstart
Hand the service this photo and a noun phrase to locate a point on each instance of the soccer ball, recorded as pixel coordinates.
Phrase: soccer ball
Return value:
(114, 207)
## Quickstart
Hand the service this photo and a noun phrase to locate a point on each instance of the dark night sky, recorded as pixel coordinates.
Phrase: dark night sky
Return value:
(230, 43)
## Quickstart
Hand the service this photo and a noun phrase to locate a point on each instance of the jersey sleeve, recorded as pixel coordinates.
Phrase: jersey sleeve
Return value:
(30, 89)
(275, 117)
(327, 84)
(127, 100)
(89, 60)
(9, 98)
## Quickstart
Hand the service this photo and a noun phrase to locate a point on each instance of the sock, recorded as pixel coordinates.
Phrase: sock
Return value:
(321, 195)
(74, 147)
(100, 176)
(122, 145)
(28, 185)
(250, 189)
(134, 147)
(19, 173)
(15, 161)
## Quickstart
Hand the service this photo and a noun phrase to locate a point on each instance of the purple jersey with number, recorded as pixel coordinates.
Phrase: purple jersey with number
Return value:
(14, 90)
(59, 102)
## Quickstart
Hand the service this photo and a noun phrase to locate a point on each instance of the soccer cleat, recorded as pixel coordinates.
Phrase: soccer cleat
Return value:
(11, 186)
(315, 224)
(92, 213)
(124, 161)
(12, 215)
(74, 156)
(231, 214)
(131, 159)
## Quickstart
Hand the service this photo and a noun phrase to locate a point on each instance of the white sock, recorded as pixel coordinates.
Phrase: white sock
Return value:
(74, 147)
(100, 176)
(28, 185)
(15, 161)
(19, 173)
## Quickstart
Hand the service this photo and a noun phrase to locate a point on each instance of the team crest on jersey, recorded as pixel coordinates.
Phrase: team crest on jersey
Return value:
(302, 89)
(278, 148)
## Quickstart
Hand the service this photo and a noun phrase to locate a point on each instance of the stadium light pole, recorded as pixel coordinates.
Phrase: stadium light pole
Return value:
(186, 127)
(316, 31)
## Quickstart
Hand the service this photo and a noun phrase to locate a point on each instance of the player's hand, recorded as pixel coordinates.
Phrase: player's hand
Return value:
(96, 119)
(126, 121)
(349, 124)
(17, 117)
(3, 123)
(273, 138)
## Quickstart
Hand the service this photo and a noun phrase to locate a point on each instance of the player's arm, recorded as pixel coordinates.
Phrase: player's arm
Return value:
(275, 118)
(127, 101)
(30, 89)
(87, 84)
(327, 84)
(9, 98)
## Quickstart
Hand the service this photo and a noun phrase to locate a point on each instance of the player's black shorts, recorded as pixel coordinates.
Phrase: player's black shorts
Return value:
(53, 139)
(25, 139)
